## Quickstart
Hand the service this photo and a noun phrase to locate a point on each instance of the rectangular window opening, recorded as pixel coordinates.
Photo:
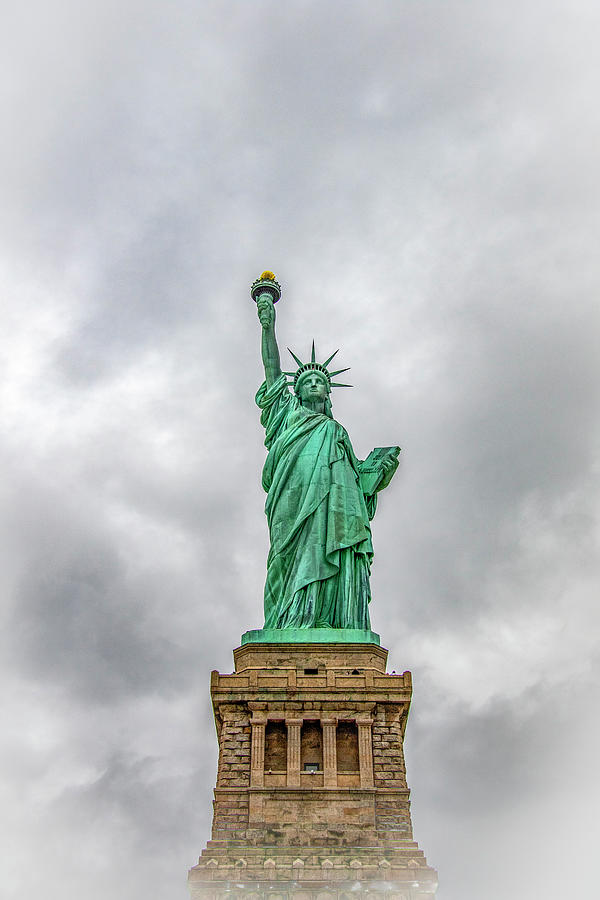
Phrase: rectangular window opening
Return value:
(347, 747)
(275, 747)
(311, 746)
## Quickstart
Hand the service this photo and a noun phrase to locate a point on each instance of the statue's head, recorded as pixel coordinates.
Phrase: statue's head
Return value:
(312, 380)
(313, 386)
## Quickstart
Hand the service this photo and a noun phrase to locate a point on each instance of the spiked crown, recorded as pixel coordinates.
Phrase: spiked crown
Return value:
(314, 366)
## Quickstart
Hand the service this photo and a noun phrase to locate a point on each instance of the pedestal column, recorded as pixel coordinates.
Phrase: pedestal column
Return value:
(329, 752)
(294, 727)
(257, 759)
(365, 752)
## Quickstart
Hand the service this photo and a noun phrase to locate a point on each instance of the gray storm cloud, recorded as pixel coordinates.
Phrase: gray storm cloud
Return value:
(423, 180)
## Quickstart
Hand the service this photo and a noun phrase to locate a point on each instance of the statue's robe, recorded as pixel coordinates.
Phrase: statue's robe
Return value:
(320, 555)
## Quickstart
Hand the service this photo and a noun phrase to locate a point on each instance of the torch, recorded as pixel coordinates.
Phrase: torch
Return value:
(266, 284)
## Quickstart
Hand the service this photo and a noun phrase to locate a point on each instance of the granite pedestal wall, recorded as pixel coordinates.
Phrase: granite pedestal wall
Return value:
(311, 798)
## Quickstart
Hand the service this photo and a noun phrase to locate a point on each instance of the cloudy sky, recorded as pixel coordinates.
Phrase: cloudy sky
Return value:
(422, 177)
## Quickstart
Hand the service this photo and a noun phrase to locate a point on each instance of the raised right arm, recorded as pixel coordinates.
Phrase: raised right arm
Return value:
(269, 348)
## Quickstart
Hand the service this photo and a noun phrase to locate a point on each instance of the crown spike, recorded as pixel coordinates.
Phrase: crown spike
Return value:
(338, 371)
(337, 384)
(313, 358)
(327, 361)
(299, 361)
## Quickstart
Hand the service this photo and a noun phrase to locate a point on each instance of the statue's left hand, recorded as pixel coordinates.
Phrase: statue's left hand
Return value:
(388, 464)
(388, 468)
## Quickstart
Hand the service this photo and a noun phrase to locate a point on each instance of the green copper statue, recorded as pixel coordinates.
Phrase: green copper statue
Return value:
(320, 497)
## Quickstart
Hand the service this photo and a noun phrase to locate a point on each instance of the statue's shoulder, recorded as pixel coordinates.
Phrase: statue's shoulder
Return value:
(278, 392)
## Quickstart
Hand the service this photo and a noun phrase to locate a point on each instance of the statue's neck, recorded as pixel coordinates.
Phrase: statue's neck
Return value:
(316, 406)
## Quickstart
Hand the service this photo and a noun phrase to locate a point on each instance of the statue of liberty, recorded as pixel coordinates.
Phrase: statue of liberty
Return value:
(320, 497)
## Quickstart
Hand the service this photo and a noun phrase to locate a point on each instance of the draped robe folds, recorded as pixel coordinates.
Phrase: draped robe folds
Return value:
(320, 555)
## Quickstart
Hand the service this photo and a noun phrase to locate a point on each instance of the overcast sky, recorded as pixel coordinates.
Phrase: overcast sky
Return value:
(423, 178)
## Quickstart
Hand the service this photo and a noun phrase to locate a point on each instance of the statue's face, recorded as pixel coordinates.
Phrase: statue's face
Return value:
(313, 387)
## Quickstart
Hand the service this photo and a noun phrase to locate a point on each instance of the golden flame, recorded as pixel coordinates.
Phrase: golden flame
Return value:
(267, 276)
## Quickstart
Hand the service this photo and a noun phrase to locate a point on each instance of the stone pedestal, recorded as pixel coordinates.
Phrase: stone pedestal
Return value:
(311, 798)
